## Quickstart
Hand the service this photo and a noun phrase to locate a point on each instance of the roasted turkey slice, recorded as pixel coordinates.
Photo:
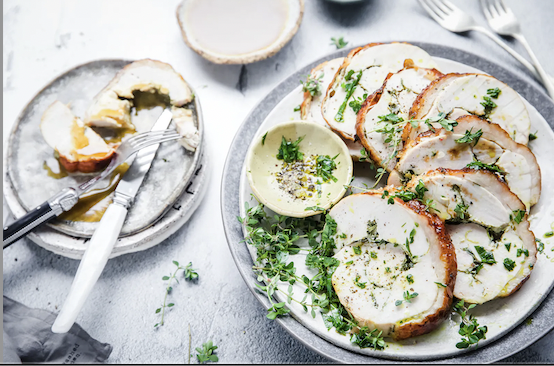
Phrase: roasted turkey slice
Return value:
(477, 94)
(395, 96)
(79, 147)
(363, 72)
(310, 109)
(112, 106)
(489, 228)
(444, 149)
(397, 265)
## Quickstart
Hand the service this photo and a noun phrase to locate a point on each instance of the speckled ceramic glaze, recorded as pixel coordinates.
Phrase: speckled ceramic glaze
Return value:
(509, 339)
(262, 167)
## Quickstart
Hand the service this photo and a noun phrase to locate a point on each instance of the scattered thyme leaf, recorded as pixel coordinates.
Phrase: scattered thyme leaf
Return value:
(338, 42)
(470, 137)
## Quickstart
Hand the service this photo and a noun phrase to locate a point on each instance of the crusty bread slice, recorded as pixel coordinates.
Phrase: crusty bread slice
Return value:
(79, 147)
(386, 250)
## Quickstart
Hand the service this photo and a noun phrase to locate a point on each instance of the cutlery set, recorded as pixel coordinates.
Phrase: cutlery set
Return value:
(500, 18)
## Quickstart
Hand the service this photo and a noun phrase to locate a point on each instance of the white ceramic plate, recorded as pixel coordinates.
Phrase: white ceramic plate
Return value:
(500, 315)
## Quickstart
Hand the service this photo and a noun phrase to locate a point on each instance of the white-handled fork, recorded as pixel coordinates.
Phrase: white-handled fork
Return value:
(503, 21)
(450, 17)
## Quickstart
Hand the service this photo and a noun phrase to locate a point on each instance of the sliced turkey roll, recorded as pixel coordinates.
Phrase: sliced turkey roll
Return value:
(495, 249)
(397, 265)
(477, 94)
(363, 72)
(474, 139)
(396, 96)
(112, 106)
(310, 109)
(78, 146)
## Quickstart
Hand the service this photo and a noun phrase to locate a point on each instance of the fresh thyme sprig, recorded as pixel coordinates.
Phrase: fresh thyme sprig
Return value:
(206, 353)
(275, 239)
(339, 42)
(391, 126)
(470, 330)
(190, 274)
(312, 85)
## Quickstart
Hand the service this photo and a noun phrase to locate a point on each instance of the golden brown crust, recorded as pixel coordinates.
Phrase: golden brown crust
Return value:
(448, 257)
(416, 112)
(305, 105)
(86, 166)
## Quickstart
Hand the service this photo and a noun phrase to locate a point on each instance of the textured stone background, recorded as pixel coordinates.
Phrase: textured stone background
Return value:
(43, 39)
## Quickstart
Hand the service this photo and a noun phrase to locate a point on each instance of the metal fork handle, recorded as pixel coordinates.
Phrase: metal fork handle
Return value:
(508, 49)
(547, 81)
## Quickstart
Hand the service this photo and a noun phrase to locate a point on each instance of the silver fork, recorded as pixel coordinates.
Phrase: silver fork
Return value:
(456, 20)
(68, 197)
(503, 21)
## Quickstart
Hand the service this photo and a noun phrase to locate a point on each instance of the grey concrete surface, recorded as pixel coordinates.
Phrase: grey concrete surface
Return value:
(42, 39)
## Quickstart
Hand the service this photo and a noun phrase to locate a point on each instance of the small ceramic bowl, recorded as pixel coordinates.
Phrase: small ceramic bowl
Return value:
(277, 185)
(231, 26)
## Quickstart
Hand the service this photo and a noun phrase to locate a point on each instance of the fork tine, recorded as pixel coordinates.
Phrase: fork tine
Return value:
(486, 10)
(492, 9)
(144, 144)
(450, 5)
(439, 5)
(438, 18)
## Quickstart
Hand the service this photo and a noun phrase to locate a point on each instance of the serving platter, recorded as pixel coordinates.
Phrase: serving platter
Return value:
(27, 154)
(502, 316)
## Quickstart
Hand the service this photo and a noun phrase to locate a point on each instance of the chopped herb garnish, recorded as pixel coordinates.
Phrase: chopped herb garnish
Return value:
(517, 216)
(489, 105)
(314, 208)
(338, 42)
(486, 257)
(325, 167)
(359, 284)
(461, 211)
(522, 251)
(470, 137)
(440, 284)
(549, 234)
(263, 138)
(363, 155)
(289, 151)
(494, 93)
(533, 136)
(349, 88)
(476, 164)
(410, 279)
(508, 246)
(312, 85)
(509, 264)
(407, 298)
(297, 108)
(357, 250)
(357, 103)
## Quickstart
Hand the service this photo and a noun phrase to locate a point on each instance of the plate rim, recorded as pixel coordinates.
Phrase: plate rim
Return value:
(60, 226)
(229, 208)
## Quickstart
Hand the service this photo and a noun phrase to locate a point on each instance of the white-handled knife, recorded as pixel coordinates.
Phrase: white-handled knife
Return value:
(104, 238)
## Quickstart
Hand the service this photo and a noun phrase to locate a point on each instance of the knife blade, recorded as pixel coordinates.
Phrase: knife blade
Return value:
(104, 238)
